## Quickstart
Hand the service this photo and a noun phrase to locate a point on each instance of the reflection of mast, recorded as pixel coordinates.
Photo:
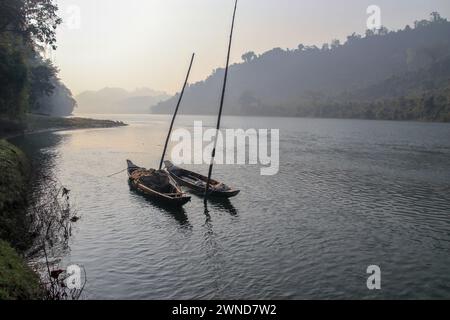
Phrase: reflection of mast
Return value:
(215, 256)
(175, 113)
(213, 154)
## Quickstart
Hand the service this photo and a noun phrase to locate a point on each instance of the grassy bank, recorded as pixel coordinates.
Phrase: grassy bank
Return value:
(17, 280)
(14, 173)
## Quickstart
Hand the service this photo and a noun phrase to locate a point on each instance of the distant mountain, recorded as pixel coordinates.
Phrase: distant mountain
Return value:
(117, 100)
(349, 77)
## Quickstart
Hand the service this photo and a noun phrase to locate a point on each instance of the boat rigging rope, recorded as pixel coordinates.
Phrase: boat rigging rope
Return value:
(116, 173)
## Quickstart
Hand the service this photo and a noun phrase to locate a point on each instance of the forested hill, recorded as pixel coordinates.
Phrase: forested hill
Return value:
(29, 83)
(366, 77)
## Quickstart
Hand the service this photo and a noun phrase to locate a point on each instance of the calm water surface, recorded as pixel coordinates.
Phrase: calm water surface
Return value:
(349, 194)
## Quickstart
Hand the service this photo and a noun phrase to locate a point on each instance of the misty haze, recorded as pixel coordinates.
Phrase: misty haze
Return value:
(333, 185)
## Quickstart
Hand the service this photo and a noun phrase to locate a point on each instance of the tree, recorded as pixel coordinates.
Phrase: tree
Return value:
(312, 48)
(382, 31)
(353, 37)
(42, 77)
(59, 103)
(335, 44)
(435, 52)
(26, 79)
(9, 13)
(13, 82)
(249, 56)
(436, 17)
(421, 23)
(34, 20)
(369, 33)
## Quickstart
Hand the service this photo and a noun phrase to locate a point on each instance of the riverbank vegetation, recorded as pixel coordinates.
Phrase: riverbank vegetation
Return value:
(30, 91)
(32, 226)
(14, 171)
(31, 123)
(17, 280)
(28, 81)
(38, 122)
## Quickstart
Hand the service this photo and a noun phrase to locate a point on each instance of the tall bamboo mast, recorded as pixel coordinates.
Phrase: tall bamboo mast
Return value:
(175, 113)
(213, 153)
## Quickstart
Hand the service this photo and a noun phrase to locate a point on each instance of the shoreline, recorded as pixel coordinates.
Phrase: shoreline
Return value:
(301, 117)
(18, 280)
(27, 133)
(33, 124)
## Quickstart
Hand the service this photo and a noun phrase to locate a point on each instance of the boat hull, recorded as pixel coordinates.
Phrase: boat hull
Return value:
(156, 196)
(175, 199)
(201, 191)
(197, 189)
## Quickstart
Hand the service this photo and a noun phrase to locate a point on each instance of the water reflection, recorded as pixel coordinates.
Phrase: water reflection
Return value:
(42, 149)
(214, 251)
(178, 213)
(224, 205)
(33, 144)
(221, 204)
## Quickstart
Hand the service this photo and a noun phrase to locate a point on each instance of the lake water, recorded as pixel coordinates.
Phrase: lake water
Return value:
(349, 194)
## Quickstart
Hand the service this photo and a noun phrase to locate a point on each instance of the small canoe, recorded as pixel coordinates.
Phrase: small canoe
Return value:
(157, 184)
(197, 183)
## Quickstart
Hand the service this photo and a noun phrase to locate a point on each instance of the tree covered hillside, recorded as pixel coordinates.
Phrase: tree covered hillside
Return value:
(360, 78)
(29, 82)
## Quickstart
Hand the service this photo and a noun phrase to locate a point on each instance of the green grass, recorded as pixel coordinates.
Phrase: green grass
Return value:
(14, 173)
(17, 280)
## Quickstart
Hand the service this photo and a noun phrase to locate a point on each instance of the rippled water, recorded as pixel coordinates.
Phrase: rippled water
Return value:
(349, 194)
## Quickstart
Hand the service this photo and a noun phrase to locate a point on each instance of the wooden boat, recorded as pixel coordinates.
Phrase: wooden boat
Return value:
(197, 183)
(157, 184)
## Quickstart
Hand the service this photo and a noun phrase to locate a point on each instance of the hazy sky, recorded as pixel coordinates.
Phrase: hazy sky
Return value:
(147, 43)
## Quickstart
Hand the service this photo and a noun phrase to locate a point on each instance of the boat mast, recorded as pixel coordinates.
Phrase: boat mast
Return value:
(213, 153)
(175, 113)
